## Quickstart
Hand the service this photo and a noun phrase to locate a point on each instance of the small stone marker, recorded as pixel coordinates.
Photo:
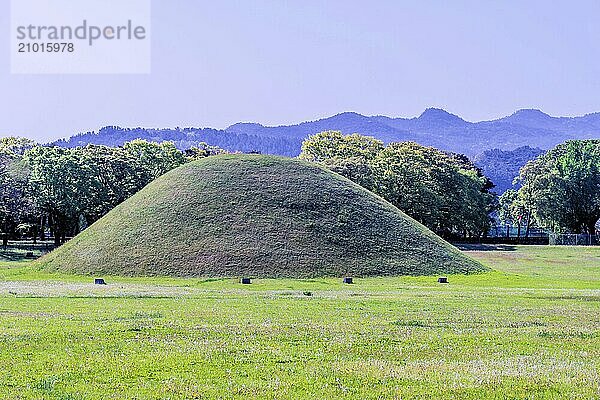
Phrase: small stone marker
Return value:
(348, 280)
(442, 279)
(246, 281)
(99, 281)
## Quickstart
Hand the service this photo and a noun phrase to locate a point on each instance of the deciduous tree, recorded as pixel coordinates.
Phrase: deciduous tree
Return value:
(563, 186)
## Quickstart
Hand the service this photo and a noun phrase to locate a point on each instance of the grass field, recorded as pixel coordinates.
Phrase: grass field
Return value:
(530, 329)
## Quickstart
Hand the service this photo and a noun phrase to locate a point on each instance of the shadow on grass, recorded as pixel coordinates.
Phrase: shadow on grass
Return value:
(14, 255)
(485, 247)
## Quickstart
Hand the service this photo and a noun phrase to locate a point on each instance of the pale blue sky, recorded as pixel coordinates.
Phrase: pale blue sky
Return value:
(278, 62)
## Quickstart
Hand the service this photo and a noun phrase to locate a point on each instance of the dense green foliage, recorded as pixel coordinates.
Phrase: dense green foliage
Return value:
(332, 146)
(444, 191)
(258, 216)
(348, 155)
(514, 211)
(528, 330)
(66, 189)
(75, 187)
(562, 187)
(16, 207)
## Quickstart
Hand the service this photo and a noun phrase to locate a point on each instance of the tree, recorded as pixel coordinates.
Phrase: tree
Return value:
(75, 187)
(15, 146)
(16, 208)
(113, 175)
(70, 188)
(57, 183)
(203, 150)
(154, 159)
(332, 145)
(444, 191)
(348, 155)
(563, 186)
(506, 213)
(513, 211)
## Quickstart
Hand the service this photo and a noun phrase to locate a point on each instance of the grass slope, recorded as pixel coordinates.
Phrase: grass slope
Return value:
(259, 216)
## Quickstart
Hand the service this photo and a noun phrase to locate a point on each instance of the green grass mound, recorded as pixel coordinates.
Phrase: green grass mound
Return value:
(258, 216)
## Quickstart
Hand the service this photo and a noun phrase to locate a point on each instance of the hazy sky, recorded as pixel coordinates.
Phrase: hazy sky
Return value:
(218, 62)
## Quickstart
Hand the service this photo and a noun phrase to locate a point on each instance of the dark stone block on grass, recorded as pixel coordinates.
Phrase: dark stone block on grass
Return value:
(348, 280)
(245, 281)
(442, 279)
(99, 281)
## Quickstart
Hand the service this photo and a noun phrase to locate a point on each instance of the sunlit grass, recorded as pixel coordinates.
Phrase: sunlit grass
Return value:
(530, 329)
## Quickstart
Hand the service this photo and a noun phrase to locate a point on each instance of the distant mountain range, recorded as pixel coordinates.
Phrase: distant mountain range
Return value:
(434, 127)
(438, 128)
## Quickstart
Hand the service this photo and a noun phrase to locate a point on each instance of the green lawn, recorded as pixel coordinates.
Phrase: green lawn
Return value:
(530, 329)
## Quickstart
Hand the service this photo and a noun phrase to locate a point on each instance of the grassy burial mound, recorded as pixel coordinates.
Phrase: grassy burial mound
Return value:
(258, 216)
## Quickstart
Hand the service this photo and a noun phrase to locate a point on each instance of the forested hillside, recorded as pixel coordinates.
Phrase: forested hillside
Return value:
(502, 167)
(434, 127)
(186, 138)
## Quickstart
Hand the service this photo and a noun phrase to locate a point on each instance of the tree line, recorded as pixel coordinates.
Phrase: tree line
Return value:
(444, 191)
(232, 139)
(66, 189)
(558, 191)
